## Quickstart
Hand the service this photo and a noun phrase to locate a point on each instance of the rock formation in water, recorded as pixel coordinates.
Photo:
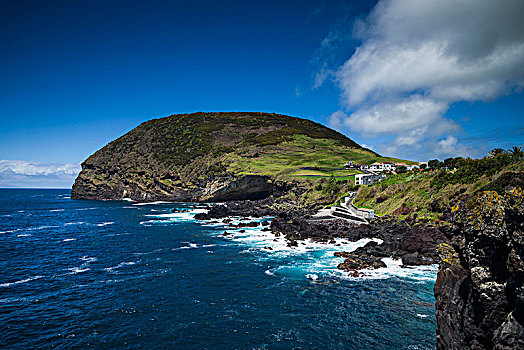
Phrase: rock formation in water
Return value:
(479, 289)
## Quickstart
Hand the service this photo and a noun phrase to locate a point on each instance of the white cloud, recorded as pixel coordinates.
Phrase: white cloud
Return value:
(450, 147)
(419, 57)
(336, 120)
(396, 116)
(321, 76)
(21, 173)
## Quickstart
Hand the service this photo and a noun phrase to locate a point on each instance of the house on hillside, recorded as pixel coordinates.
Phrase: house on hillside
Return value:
(349, 165)
(384, 166)
(367, 213)
(367, 179)
(408, 167)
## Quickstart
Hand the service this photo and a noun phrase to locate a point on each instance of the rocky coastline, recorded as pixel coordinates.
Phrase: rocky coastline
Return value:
(411, 240)
(480, 284)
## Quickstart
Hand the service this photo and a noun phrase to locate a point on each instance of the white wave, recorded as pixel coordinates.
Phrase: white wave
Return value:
(422, 316)
(394, 269)
(56, 210)
(105, 223)
(83, 267)
(152, 203)
(122, 264)
(269, 273)
(311, 258)
(21, 281)
(69, 239)
(312, 276)
(190, 246)
(82, 209)
(12, 300)
(37, 228)
(74, 223)
(11, 231)
(88, 259)
(24, 235)
(173, 217)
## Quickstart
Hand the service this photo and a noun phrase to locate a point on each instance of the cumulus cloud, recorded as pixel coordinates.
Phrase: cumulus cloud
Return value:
(450, 147)
(416, 58)
(337, 120)
(21, 173)
(396, 116)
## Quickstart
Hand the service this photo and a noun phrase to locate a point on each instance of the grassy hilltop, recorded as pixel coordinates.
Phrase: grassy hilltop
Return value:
(176, 156)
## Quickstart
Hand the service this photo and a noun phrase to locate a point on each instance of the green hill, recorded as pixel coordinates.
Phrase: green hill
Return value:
(435, 193)
(195, 156)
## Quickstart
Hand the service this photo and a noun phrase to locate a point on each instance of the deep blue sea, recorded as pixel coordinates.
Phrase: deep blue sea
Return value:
(118, 274)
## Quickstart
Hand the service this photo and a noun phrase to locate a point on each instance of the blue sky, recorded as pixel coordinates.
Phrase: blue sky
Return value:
(410, 79)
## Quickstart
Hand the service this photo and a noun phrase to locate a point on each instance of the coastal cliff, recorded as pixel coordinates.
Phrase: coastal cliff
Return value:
(212, 157)
(479, 289)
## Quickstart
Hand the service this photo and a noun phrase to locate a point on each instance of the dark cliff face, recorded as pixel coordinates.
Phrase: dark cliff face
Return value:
(479, 289)
(206, 157)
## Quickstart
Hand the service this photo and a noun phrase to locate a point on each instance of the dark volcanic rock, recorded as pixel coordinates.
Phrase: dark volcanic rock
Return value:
(238, 188)
(358, 262)
(417, 259)
(248, 208)
(479, 289)
(215, 212)
(415, 242)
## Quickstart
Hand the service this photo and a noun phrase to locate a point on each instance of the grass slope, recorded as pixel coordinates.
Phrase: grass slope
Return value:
(188, 150)
(432, 193)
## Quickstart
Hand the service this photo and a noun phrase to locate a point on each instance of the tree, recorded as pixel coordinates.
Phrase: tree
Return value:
(449, 163)
(401, 169)
(497, 152)
(516, 152)
(434, 164)
(423, 166)
(459, 162)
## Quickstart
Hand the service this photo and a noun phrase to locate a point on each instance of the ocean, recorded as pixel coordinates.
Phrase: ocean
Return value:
(119, 274)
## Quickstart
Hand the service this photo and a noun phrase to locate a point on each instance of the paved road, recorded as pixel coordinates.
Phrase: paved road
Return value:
(345, 211)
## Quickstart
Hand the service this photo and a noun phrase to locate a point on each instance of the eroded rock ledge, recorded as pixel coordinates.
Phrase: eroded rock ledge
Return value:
(479, 290)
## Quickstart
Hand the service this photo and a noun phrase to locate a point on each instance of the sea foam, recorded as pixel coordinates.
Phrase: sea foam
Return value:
(9, 284)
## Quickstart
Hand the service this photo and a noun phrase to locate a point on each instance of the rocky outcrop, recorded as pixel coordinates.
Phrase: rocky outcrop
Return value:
(413, 242)
(206, 157)
(479, 289)
(244, 187)
(355, 262)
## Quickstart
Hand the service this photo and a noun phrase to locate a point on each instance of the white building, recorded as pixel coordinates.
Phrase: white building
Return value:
(408, 167)
(349, 165)
(384, 166)
(367, 213)
(367, 179)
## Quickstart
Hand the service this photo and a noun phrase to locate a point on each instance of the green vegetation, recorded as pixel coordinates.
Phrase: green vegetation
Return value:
(189, 151)
(326, 173)
(432, 193)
